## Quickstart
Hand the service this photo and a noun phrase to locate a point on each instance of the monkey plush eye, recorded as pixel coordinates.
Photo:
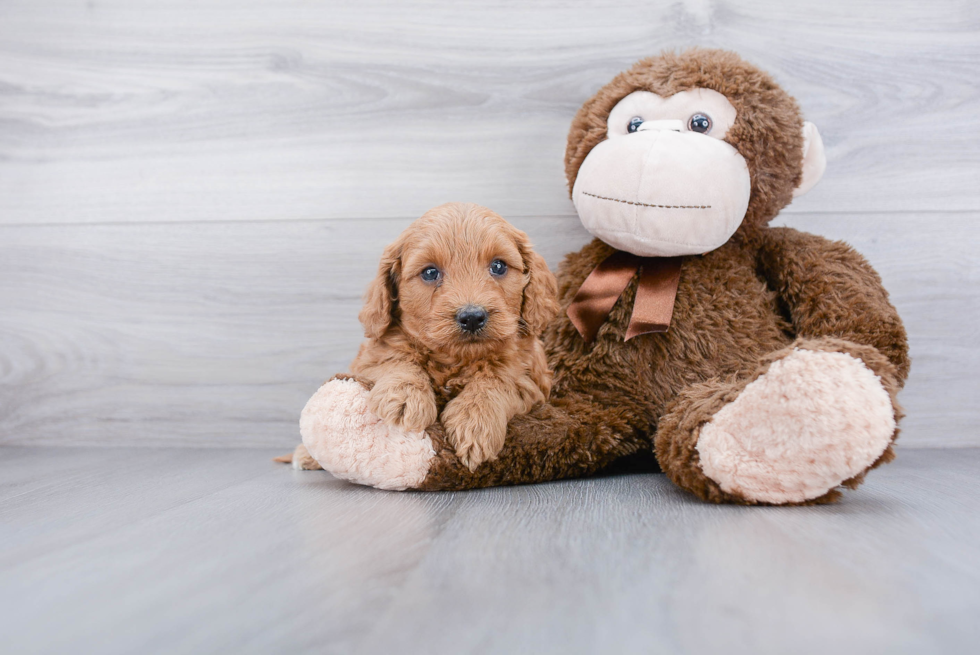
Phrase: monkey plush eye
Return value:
(634, 125)
(699, 123)
(498, 268)
(430, 274)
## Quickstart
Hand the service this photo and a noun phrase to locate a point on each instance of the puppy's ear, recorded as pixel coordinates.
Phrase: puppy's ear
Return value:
(540, 304)
(382, 294)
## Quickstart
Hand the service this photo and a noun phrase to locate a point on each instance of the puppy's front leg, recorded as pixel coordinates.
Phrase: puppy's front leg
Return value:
(403, 397)
(476, 420)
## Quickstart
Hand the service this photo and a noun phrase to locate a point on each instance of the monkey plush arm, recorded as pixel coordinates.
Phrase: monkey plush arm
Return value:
(829, 290)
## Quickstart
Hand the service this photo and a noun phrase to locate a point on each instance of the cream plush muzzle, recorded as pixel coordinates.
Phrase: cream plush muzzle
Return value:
(662, 192)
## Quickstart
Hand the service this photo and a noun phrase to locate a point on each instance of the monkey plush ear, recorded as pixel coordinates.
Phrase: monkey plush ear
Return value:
(814, 159)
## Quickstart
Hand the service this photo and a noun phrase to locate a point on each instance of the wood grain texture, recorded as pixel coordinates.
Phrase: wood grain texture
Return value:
(134, 111)
(216, 334)
(182, 550)
(193, 195)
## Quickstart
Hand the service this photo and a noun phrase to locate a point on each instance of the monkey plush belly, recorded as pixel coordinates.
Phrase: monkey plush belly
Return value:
(725, 320)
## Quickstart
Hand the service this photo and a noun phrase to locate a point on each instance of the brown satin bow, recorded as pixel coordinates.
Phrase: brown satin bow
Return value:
(655, 293)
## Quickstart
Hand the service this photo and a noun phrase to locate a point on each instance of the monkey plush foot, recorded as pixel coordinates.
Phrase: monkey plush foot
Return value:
(342, 434)
(813, 420)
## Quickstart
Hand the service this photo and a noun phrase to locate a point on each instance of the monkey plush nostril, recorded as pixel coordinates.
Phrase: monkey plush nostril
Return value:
(471, 318)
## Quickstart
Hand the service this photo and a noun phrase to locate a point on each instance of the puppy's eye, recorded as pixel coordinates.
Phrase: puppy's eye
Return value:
(699, 123)
(430, 274)
(498, 267)
(634, 124)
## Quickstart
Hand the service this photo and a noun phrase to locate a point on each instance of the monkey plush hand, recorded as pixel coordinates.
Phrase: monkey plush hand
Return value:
(759, 364)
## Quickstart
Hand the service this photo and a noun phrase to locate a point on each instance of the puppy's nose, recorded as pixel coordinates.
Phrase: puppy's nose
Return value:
(471, 318)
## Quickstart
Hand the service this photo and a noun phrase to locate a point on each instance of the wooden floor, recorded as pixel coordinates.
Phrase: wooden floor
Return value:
(179, 550)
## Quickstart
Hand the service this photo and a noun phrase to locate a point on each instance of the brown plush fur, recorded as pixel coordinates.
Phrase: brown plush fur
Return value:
(738, 309)
(417, 360)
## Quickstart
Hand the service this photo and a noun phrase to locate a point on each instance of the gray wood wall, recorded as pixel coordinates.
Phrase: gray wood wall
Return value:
(194, 193)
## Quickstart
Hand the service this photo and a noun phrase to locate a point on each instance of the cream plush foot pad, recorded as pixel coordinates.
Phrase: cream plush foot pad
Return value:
(350, 442)
(813, 420)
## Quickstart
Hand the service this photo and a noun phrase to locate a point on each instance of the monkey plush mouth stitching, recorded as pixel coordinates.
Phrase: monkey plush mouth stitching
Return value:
(643, 204)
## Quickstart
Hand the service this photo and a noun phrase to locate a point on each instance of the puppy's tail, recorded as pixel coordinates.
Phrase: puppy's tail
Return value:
(300, 459)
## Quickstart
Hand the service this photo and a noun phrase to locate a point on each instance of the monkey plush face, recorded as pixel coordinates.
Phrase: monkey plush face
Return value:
(664, 182)
(674, 155)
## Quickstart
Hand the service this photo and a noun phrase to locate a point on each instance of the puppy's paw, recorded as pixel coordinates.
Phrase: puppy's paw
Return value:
(476, 431)
(404, 405)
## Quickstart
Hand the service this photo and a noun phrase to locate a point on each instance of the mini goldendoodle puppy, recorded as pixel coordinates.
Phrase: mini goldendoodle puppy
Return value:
(453, 321)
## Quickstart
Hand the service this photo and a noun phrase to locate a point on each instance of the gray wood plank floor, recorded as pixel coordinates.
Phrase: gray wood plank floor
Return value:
(189, 551)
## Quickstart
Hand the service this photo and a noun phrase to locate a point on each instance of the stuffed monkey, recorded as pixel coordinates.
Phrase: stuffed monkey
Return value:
(758, 364)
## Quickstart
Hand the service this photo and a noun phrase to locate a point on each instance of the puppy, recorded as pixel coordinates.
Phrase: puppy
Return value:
(453, 321)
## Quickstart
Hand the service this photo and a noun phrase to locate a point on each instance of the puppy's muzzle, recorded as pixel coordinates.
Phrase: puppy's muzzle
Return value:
(471, 318)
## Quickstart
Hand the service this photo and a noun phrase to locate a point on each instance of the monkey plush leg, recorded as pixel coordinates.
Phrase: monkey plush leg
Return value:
(573, 436)
(815, 416)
